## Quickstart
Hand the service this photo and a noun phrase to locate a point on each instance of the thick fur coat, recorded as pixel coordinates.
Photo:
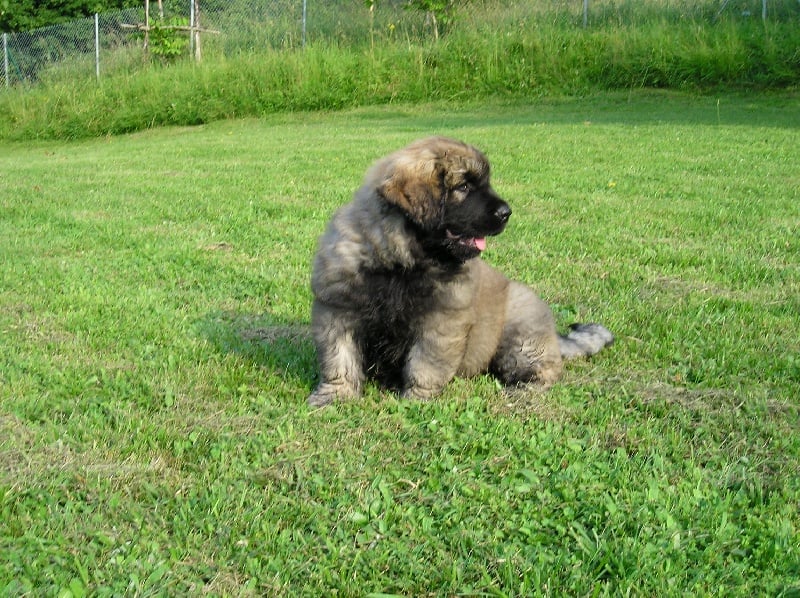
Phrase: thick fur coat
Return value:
(401, 295)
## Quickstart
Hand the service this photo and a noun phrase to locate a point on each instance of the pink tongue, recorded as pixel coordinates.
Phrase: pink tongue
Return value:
(480, 243)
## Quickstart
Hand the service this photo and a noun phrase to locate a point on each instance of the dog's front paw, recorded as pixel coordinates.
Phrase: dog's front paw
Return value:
(320, 399)
(327, 393)
(417, 393)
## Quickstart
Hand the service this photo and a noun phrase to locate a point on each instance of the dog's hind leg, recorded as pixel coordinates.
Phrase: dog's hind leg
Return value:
(528, 350)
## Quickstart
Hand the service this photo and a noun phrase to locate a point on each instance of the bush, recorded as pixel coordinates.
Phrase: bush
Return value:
(490, 53)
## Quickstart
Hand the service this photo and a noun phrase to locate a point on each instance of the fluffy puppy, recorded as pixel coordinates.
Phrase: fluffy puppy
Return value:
(401, 295)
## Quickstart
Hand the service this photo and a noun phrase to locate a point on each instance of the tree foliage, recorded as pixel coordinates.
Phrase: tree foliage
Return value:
(439, 12)
(24, 15)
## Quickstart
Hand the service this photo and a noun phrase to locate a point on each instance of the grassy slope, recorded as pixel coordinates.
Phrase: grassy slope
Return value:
(153, 430)
(507, 53)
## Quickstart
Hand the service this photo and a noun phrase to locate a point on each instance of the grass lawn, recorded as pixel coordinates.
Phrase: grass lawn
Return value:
(154, 363)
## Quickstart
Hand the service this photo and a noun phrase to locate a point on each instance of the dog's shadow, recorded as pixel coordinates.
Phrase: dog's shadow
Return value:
(281, 347)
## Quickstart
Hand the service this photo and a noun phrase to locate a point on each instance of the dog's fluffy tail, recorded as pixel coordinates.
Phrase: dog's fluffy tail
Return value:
(584, 340)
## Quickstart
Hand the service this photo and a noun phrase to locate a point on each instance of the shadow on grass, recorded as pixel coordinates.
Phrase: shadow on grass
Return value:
(635, 107)
(284, 348)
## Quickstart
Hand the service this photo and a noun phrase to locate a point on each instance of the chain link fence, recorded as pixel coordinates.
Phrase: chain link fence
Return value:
(75, 48)
(112, 40)
(118, 40)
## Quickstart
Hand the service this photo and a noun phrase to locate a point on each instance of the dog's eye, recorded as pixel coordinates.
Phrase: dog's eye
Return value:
(462, 188)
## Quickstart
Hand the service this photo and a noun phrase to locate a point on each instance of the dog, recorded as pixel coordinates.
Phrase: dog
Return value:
(402, 297)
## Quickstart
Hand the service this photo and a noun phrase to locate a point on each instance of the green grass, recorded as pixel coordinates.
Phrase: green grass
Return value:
(154, 363)
(497, 52)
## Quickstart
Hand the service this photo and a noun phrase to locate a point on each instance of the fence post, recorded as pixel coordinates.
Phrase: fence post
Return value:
(585, 13)
(304, 23)
(196, 31)
(5, 57)
(97, 45)
(191, 27)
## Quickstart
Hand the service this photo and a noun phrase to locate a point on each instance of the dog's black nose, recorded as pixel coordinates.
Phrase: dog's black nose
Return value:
(503, 213)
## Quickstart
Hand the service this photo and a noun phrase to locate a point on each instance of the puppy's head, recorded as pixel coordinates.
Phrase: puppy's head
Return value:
(443, 188)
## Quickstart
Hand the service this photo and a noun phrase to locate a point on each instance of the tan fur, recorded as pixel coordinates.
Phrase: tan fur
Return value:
(475, 319)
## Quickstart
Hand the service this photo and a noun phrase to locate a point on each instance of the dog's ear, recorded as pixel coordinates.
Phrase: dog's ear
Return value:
(416, 186)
